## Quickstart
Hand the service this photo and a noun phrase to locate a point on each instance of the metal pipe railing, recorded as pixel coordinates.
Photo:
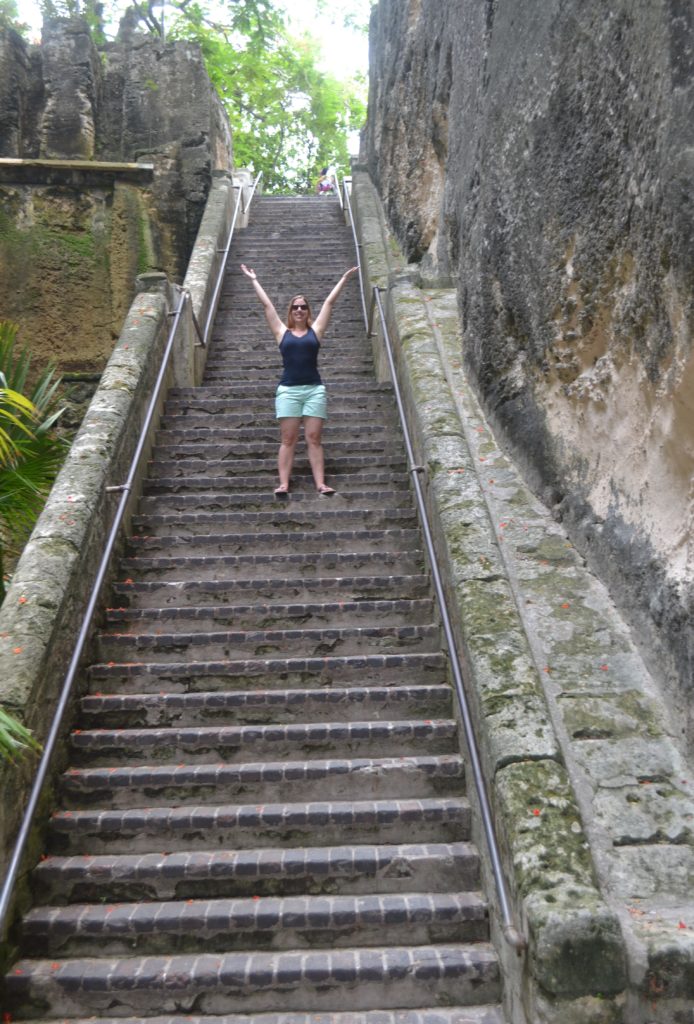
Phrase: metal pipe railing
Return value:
(511, 932)
(83, 634)
(225, 254)
(357, 247)
(50, 742)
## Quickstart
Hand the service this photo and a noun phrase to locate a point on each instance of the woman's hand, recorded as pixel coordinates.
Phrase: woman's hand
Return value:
(249, 272)
(349, 273)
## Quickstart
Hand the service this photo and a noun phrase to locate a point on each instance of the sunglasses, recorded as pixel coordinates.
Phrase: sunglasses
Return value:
(299, 305)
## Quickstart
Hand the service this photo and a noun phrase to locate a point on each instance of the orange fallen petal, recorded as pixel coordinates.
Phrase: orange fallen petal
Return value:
(16, 650)
(681, 924)
(22, 600)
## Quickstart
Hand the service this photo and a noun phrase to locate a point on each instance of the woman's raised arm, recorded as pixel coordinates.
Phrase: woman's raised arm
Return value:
(273, 320)
(321, 322)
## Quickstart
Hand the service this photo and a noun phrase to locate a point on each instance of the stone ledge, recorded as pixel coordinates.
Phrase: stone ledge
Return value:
(80, 174)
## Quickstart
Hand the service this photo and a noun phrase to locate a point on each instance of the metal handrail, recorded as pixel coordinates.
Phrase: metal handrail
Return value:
(511, 932)
(357, 247)
(125, 489)
(225, 254)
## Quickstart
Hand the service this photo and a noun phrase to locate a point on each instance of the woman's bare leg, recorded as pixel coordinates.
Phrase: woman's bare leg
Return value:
(289, 435)
(313, 432)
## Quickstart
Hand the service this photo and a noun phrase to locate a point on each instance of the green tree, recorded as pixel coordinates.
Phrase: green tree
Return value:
(288, 118)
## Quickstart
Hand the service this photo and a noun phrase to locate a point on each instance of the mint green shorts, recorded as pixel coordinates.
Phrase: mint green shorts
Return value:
(301, 400)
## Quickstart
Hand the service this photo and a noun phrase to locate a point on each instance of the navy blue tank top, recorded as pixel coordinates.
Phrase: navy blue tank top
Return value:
(300, 358)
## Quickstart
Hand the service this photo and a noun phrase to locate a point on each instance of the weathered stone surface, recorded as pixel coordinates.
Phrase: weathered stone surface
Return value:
(618, 769)
(14, 71)
(70, 249)
(541, 157)
(70, 81)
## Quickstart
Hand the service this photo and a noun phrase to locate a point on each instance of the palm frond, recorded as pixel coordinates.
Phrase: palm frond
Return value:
(15, 739)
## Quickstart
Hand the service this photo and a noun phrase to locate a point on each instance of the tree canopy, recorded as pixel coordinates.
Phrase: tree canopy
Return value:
(288, 117)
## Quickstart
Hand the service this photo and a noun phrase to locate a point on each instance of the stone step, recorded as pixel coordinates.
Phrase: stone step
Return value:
(265, 643)
(181, 429)
(266, 922)
(123, 786)
(265, 498)
(217, 445)
(285, 515)
(246, 370)
(253, 707)
(440, 1015)
(355, 476)
(393, 977)
(204, 398)
(436, 867)
(235, 826)
(240, 541)
(234, 744)
(255, 616)
(228, 358)
(269, 673)
(339, 455)
(366, 488)
(310, 563)
(178, 593)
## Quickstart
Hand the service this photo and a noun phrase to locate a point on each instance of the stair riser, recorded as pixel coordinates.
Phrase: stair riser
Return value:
(234, 747)
(266, 617)
(208, 783)
(226, 986)
(232, 501)
(174, 430)
(358, 704)
(215, 836)
(230, 937)
(283, 514)
(278, 539)
(217, 445)
(192, 678)
(211, 567)
(164, 653)
(389, 785)
(164, 595)
(369, 482)
(331, 870)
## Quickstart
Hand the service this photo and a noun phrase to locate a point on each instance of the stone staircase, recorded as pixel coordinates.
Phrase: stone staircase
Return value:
(265, 814)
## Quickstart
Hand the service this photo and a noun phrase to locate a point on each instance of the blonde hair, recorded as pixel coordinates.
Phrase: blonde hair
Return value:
(290, 315)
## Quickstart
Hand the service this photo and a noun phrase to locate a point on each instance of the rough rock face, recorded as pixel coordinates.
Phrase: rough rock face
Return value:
(70, 249)
(541, 156)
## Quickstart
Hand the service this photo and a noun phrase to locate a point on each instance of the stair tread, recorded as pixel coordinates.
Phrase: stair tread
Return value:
(309, 911)
(488, 1014)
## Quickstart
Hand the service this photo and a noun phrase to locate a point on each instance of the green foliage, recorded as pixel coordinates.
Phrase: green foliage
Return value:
(15, 739)
(9, 15)
(288, 118)
(31, 452)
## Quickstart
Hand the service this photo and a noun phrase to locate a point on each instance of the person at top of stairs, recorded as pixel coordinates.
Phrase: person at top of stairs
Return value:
(301, 392)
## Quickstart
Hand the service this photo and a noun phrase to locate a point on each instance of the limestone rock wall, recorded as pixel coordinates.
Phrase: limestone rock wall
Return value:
(70, 245)
(541, 157)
